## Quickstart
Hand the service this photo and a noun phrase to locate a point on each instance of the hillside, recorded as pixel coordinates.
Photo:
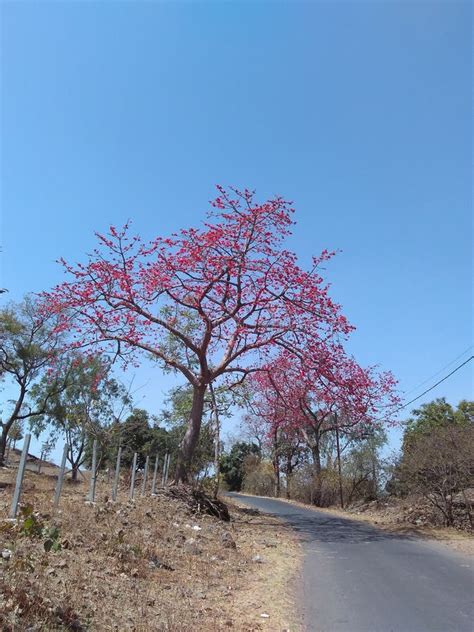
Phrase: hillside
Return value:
(143, 565)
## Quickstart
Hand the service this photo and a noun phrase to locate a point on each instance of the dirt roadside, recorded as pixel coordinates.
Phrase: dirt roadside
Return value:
(143, 565)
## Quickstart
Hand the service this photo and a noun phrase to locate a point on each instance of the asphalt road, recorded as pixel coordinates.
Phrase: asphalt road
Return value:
(357, 578)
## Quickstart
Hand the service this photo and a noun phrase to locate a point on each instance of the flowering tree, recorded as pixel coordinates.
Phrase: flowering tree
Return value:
(214, 302)
(315, 399)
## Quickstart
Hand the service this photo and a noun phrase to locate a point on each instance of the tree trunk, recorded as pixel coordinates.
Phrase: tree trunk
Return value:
(316, 454)
(217, 447)
(289, 472)
(190, 439)
(3, 445)
(74, 472)
(316, 494)
(276, 466)
(338, 448)
(8, 424)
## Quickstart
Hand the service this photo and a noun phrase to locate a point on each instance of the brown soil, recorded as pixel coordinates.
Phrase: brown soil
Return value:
(143, 565)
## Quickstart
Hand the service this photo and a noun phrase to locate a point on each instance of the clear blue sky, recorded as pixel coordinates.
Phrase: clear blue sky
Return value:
(360, 112)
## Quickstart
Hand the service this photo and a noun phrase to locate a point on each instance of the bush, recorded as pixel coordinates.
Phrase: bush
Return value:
(439, 464)
(259, 477)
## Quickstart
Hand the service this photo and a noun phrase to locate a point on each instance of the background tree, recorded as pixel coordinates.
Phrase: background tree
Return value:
(16, 433)
(363, 467)
(437, 459)
(29, 344)
(83, 408)
(436, 414)
(316, 401)
(233, 464)
(139, 434)
(440, 464)
(245, 293)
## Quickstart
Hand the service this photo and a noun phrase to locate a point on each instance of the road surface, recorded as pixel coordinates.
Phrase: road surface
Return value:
(357, 578)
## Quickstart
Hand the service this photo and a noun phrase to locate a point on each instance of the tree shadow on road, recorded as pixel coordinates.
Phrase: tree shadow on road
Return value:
(314, 527)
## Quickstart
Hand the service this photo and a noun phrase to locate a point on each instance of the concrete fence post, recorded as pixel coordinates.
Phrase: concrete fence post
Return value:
(59, 484)
(163, 471)
(19, 476)
(40, 462)
(132, 482)
(167, 469)
(145, 475)
(93, 481)
(117, 474)
(155, 474)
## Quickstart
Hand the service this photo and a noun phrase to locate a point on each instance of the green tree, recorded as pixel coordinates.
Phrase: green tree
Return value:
(233, 464)
(84, 408)
(28, 348)
(436, 414)
(437, 460)
(136, 434)
(16, 433)
(363, 467)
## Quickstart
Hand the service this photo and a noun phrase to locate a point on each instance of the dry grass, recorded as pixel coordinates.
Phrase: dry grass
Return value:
(145, 565)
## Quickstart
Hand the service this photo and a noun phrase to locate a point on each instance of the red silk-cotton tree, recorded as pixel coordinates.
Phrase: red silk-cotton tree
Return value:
(211, 302)
(335, 393)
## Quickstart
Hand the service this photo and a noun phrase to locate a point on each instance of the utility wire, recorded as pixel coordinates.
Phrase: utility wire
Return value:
(437, 383)
(429, 389)
(415, 388)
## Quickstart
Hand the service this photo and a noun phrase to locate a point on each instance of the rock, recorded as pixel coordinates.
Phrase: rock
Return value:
(6, 554)
(62, 564)
(155, 562)
(192, 547)
(257, 559)
(227, 541)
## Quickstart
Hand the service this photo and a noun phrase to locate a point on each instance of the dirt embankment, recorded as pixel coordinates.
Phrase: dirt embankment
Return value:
(143, 565)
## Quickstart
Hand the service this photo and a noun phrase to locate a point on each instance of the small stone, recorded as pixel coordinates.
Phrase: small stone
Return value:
(228, 541)
(192, 547)
(264, 615)
(6, 554)
(257, 559)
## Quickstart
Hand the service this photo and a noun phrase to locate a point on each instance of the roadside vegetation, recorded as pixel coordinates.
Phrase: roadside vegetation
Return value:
(429, 482)
(143, 565)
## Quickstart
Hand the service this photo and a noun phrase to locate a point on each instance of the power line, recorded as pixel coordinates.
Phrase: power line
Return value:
(429, 389)
(415, 388)
(437, 383)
